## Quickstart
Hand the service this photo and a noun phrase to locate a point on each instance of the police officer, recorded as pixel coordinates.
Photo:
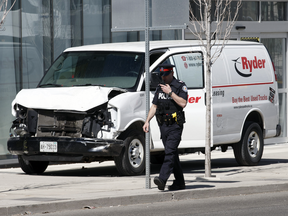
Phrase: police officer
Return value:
(168, 103)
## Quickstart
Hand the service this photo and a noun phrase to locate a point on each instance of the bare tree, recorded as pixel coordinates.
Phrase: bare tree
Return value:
(201, 28)
(5, 10)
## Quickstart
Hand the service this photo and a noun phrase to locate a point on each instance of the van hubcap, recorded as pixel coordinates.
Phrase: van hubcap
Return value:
(253, 144)
(136, 153)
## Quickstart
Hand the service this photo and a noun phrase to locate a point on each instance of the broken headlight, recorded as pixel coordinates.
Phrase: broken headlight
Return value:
(25, 122)
(93, 124)
(19, 127)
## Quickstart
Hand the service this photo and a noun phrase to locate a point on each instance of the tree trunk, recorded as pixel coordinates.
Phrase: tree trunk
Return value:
(208, 91)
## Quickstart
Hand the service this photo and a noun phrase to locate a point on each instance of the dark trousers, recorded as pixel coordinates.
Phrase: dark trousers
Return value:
(171, 137)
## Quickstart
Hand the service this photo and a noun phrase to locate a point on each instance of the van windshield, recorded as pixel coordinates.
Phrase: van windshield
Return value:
(109, 69)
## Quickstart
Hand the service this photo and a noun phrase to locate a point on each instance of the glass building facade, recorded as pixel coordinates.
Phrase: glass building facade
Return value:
(35, 32)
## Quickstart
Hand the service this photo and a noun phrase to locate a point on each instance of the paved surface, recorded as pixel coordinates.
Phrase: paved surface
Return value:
(78, 186)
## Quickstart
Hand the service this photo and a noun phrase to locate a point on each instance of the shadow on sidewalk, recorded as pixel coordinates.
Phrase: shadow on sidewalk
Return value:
(192, 166)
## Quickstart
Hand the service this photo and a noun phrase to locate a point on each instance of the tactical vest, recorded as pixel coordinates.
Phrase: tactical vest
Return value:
(167, 105)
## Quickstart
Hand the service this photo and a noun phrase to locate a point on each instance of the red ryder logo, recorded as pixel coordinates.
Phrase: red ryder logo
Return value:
(248, 64)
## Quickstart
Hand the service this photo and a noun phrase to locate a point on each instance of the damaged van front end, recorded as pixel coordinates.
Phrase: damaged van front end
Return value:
(68, 117)
(47, 132)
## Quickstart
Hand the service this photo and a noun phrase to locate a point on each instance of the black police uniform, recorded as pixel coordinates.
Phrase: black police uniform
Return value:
(171, 129)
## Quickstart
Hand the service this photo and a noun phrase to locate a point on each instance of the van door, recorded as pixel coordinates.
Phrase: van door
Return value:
(189, 69)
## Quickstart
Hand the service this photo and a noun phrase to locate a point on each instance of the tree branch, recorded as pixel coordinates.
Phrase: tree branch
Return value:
(3, 7)
(223, 18)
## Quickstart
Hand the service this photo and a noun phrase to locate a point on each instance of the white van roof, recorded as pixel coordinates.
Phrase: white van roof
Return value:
(140, 46)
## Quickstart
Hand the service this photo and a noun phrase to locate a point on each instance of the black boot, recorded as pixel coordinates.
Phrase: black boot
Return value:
(160, 183)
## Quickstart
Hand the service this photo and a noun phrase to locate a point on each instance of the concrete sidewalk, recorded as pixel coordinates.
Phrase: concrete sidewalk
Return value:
(77, 186)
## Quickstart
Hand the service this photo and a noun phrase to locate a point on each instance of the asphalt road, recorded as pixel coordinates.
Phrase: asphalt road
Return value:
(254, 204)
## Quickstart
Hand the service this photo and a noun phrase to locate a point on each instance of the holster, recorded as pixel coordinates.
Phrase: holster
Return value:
(160, 119)
(180, 117)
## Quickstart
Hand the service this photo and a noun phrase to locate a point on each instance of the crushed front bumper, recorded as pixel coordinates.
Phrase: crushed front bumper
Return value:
(68, 149)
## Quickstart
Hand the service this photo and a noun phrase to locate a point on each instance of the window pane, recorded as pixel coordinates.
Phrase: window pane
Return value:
(195, 9)
(76, 22)
(283, 113)
(276, 50)
(189, 68)
(46, 30)
(273, 11)
(249, 10)
(93, 21)
(171, 35)
(62, 26)
(10, 71)
(32, 44)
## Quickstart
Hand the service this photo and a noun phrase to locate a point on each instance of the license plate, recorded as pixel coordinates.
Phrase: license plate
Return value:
(48, 146)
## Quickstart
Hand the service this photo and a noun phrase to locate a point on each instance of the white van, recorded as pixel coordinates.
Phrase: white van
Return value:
(90, 105)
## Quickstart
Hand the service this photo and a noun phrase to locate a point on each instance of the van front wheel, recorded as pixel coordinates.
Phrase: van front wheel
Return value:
(250, 148)
(131, 161)
(32, 167)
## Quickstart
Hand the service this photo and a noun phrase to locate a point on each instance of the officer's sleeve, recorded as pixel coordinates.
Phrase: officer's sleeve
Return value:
(155, 99)
(183, 93)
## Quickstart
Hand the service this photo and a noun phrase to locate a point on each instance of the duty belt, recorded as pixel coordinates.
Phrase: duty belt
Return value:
(168, 119)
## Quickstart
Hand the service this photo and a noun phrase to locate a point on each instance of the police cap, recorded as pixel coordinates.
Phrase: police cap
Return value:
(165, 69)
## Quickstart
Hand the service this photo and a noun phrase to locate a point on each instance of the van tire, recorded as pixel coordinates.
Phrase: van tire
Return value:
(250, 148)
(32, 167)
(131, 161)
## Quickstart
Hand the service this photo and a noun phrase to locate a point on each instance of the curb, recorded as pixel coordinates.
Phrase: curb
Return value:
(9, 163)
(141, 199)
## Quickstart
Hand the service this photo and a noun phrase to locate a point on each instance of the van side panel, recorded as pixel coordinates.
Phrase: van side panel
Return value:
(251, 89)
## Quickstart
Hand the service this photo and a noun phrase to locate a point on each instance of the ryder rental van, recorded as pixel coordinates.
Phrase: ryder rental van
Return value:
(90, 105)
